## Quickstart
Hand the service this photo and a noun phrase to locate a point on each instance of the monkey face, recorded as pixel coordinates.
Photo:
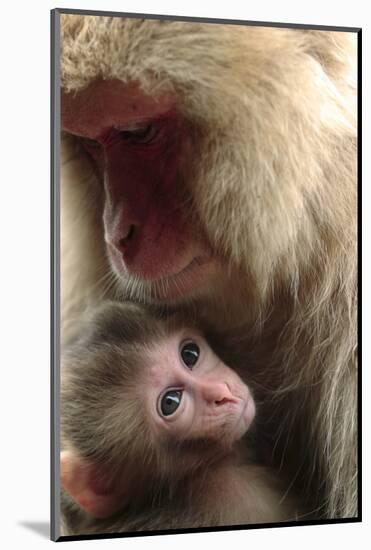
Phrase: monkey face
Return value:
(140, 149)
(192, 395)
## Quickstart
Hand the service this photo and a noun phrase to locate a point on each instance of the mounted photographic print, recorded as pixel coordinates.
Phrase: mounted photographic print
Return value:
(204, 192)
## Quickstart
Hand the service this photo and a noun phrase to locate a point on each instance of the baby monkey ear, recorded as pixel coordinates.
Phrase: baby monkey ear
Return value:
(92, 493)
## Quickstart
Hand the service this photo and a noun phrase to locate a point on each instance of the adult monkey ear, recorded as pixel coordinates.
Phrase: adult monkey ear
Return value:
(80, 479)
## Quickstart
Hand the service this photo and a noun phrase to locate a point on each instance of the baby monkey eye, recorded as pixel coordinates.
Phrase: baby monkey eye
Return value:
(190, 352)
(170, 401)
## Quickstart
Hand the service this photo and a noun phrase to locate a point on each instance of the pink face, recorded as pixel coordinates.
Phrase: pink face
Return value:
(140, 146)
(193, 395)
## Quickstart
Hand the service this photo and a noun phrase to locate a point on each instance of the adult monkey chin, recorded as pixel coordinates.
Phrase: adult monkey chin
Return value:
(214, 166)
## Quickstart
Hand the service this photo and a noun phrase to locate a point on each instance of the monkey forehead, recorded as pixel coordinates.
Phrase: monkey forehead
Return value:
(106, 103)
(163, 356)
(158, 374)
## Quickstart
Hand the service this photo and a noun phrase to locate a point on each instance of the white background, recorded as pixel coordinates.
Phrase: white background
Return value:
(24, 272)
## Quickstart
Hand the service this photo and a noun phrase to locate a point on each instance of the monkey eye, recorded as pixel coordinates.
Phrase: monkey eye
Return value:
(139, 134)
(170, 401)
(189, 352)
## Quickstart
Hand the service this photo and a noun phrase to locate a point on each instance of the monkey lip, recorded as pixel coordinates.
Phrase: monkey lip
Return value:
(184, 282)
(247, 416)
(165, 287)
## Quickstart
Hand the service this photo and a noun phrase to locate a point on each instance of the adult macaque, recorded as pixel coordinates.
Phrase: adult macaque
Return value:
(214, 166)
(151, 425)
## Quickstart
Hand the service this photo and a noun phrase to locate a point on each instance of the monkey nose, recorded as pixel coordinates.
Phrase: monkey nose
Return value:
(217, 393)
(123, 242)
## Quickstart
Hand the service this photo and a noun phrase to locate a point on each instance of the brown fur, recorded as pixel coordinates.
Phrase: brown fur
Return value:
(274, 184)
(172, 485)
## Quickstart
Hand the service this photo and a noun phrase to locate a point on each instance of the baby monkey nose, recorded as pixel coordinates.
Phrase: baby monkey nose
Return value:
(217, 393)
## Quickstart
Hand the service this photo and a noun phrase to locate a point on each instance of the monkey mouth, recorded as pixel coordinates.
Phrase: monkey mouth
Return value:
(186, 283)
(246, 417)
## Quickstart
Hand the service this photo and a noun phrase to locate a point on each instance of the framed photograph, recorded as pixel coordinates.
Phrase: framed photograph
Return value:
(204, 228)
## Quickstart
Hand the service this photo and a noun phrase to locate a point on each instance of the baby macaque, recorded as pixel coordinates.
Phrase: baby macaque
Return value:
(151, 423)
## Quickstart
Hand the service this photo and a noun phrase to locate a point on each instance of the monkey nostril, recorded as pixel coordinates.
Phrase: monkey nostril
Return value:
(123, 243)
(225, 395)
(222, 401)
(215, 393)
(129, 234)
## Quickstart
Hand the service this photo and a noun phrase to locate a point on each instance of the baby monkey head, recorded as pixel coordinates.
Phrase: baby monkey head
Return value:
(144, 401)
